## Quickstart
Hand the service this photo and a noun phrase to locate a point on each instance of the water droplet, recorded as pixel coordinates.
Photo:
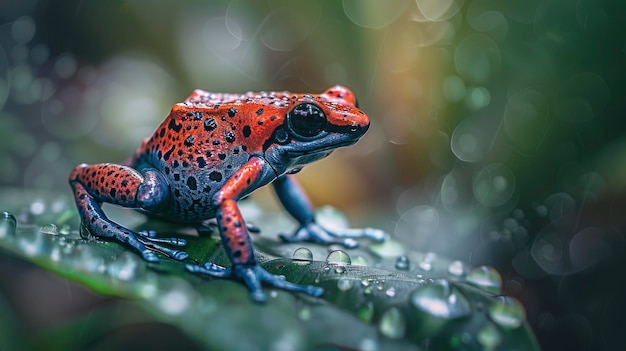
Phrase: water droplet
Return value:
(345, 284)
(338, 258)
(365, 281)
(426, 263)
(340, 269)
(273, 294)
(50, 229)
(507, 312)
(65, 229)
(402, 263)
(392, 324)
(302, 254)
(456, 268)
(441, 300)
(126, 267)
(489, 337)
(366, 312)
(8, 225)
(486, 278)
(391, 292)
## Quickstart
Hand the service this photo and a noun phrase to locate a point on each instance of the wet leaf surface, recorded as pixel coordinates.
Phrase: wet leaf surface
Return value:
(378, 297)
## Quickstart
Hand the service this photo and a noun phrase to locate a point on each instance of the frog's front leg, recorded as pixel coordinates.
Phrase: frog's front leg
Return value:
(235, 237)
(295, 201)
(123, 186)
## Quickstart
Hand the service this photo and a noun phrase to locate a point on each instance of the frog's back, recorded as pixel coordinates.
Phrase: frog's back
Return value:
(201, 143)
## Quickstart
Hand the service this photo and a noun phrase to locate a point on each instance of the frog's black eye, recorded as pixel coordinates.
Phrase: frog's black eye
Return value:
(306, 120)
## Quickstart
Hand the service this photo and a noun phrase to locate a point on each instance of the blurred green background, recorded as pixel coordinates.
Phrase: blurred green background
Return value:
(497, 126)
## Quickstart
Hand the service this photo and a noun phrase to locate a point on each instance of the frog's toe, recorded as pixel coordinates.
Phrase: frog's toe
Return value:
(148, 233)
(150, 256)
(314, 291)
(258, 296)
(316, 234)
(180, 255)
(375, 234)
(209, 269)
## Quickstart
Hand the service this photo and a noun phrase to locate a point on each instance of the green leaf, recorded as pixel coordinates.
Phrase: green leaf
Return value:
(411, 301)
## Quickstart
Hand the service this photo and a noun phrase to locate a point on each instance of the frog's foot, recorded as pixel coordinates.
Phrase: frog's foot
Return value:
(149, 239)
(313, 232)
(206, 228)
(253, 276)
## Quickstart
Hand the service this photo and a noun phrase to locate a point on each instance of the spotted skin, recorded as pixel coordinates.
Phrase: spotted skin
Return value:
(209, 152)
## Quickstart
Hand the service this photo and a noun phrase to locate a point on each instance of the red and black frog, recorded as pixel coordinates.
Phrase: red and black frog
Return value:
(212, 150)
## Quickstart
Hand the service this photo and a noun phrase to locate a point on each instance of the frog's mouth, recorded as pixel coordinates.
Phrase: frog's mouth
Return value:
(326, 148)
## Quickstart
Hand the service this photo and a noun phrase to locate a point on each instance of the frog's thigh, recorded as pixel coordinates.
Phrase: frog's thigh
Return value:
(123, 185)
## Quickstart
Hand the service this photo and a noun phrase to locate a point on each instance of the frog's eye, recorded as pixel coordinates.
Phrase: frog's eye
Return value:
(306, 120)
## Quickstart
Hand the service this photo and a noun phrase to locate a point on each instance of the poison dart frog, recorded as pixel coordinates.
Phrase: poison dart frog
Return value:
(212, 150)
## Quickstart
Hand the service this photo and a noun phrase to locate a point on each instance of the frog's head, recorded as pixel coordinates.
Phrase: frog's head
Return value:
(313, 126)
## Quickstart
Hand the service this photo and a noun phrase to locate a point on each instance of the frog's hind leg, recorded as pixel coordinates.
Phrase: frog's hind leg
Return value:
(126, 187)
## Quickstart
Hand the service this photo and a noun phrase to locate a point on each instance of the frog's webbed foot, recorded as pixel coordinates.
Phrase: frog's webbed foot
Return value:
(253, 276)
(150, 240)
(313, 232)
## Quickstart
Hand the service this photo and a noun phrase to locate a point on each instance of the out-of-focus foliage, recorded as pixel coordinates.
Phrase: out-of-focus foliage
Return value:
(497, 126)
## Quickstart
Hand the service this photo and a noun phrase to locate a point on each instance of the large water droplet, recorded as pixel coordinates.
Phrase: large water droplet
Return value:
(50, 229)
(392, 324)
(489, 337)
(338, 258)
(8, 225)
(303, 255)
(441, 300)
(426, 262)
(507, 312)
(456, 268)
(486, 278)
(402, 263)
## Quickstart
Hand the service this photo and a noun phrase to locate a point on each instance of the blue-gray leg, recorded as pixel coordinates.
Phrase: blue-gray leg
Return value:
(124, 186)
(297, 204)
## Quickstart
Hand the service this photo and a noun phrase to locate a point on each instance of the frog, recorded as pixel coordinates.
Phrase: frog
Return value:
(212, 150)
